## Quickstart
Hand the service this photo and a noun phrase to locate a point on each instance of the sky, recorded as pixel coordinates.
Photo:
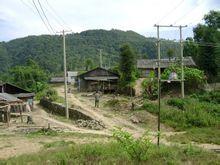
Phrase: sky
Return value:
(19, 18)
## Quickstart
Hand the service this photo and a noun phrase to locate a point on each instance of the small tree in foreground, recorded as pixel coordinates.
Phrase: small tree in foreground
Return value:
(137, 149)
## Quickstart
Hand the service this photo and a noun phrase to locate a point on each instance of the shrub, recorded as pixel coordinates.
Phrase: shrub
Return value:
(137, 149)
(194, 78)
(212, 97)
(49, 93)
(179, 103)
(149, 86)
(150, 107)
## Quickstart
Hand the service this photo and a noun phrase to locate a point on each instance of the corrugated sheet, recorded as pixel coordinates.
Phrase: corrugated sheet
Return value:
(9, 98)
(164, 63)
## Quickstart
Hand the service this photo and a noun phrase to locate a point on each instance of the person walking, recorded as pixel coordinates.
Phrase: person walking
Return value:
(97, 98)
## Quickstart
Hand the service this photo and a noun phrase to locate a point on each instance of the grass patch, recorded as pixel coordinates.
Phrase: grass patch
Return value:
(113, 153)
(42, 132)
(186, 113)
(199, 135)
(58, 144)
(53, 133)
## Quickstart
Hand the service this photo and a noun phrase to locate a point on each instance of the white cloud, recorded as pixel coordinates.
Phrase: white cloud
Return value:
(139, 15)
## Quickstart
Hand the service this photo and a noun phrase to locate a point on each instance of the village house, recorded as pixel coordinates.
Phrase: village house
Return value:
(98, 79)
(145, 66)
(17, 98)
(71, 77)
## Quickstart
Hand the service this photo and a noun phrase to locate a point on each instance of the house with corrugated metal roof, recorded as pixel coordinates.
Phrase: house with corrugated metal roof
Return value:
(145, 66)
(98, 79)
(15, 96)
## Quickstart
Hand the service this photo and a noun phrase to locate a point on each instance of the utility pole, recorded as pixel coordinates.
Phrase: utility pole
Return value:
(100, 57)
(181, 53)
(182, 63)
(65, 72)
(159, 72)
(158, 82)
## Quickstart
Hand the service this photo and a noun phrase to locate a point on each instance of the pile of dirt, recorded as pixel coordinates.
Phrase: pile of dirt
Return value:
(91, 124)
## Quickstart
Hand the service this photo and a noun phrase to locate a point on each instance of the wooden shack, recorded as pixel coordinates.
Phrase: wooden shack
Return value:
(12, 93)
(98, 79)
(145, 66)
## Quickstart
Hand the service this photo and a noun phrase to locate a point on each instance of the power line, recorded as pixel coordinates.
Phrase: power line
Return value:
(41, 16)
(45, 16)
(53, 15)
(57, 17)
(187, 13)
(175, 7)
(29, 7)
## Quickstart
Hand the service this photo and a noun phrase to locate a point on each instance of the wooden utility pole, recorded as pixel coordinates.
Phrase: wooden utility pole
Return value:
(182, 63)
(181, 53)
(158, 82)
(65, 72)
(159, 71)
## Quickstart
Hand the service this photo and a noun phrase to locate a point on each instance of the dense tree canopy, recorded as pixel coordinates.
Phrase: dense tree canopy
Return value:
(29, 76)
(47, 50)
(208, 36)
(127, 66)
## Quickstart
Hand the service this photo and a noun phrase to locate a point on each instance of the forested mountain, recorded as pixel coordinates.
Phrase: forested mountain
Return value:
(47, 50)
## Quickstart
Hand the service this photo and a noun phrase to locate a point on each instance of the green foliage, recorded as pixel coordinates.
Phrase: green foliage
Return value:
(88, 64)
(113, 153)
(49, 93)
(200, 135)
(43, 132)
(170, 53)
(58, 144)
(179, 103)
(137, 149)
(30, 77)
(127, 66)
(153, 108)
(192, 113)
(191, 49)
(211, 97)
(208, 33)
(47, 49)
(194, 78)
(150, 86)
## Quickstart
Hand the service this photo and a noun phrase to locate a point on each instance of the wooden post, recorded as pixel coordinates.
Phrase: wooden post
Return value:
(20, 110)
(8, 115)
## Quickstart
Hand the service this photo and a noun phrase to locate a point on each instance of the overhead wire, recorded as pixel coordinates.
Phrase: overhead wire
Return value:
(29, 7)
(57, 20)
(41, 16)
(48, 22)
(57, 17)
(187, 13)
(171, 11)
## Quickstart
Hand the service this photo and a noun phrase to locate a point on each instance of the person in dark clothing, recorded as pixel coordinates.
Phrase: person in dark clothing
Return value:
(97, 98)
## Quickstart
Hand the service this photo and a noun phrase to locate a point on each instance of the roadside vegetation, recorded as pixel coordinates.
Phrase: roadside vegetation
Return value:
(200, 119)
(125, 149)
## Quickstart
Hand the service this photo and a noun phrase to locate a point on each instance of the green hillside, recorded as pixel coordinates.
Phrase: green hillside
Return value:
(47, 49)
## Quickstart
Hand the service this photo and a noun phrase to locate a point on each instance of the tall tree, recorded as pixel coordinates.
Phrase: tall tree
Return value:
(127, 66)
(88, 64)
(190, 49)
(170, 53)
(208, 35)
(30, 76)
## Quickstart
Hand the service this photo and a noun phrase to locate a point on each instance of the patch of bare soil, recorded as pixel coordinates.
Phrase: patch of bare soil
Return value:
(137, 87)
